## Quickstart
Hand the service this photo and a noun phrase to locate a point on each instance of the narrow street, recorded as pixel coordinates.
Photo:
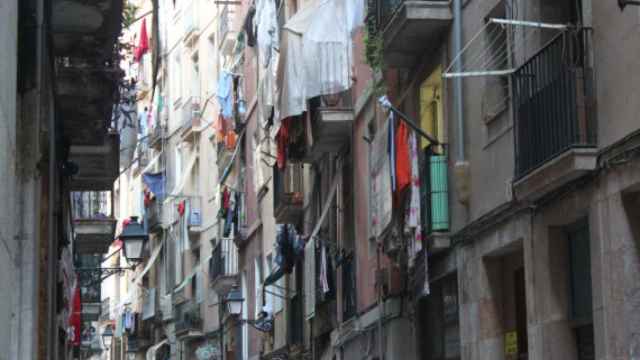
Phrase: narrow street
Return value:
(319, 180)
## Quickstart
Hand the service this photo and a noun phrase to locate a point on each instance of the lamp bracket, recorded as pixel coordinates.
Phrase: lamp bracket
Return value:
(92, 276)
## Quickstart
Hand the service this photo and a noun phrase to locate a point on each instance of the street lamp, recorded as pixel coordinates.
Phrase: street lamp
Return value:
(134, 237)
(107, 337)
(234, 301)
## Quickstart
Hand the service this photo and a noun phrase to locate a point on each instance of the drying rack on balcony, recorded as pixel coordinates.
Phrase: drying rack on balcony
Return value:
(500, 46)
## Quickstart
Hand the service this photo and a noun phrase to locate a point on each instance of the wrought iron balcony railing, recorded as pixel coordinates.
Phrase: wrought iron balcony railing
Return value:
(552, 105)
(187, 317)
(224, 260)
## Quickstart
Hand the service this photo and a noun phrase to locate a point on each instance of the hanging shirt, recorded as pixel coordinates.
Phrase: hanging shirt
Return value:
(224, 94)
(412, 226)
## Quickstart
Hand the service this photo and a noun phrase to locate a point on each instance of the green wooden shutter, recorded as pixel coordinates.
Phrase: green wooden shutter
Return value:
(439, 193)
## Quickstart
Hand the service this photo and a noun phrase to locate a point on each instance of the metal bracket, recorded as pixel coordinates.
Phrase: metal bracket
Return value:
(623, 3)
(93, 276)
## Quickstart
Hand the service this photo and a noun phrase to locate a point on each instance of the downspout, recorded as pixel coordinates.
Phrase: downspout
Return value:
(461, 165)
(52, 332)
(457, 82)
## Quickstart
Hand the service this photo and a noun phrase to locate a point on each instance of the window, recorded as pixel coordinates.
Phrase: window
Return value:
(581, 301)
(431, 109)
(195, 76)
(439, 321)
(433, 161)
(496, 95)
(176, 78)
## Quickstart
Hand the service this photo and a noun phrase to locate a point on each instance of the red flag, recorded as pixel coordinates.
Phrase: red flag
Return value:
(143, 44)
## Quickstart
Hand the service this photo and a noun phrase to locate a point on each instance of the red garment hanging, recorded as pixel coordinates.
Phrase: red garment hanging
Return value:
(75, 317)
(226, 199)
(282, 140)
(143, 44)
(181, 207)
(403, 161)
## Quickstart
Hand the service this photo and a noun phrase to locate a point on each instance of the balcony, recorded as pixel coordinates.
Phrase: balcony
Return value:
(190, 118)
(142, 338)
(288, 193)
(86, 73)
(226, 35)
(332, 120)
(223, 266)
(555, 129)
(93, 223)
(187, 319)
(190, 23)
(410, 28)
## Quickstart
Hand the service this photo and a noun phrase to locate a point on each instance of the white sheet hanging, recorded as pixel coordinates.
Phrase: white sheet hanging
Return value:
(317, 54)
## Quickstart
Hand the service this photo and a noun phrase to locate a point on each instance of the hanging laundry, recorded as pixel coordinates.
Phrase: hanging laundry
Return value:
(402, 160)
(155, 183)
(412, 226)
(324, 281)
(224, 94)
(242, 102)
(143, 44)
(228, 223)
(282, 142)
(249, 28)
(181, 208)
(218, 126)
(392, 150)
(230, 140)
(381, 200)
(75, 318)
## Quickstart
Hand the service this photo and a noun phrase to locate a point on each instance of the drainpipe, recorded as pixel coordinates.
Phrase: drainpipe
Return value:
(461, 167)
(52, 332)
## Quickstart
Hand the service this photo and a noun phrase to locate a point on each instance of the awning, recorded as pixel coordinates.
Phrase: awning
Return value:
(154, 256)
(151, 352)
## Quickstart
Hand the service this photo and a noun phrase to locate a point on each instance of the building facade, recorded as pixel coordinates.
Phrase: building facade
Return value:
(383, 179)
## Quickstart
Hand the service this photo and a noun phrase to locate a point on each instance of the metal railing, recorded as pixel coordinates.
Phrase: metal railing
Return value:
(187, 316)
(551, 102)
(380, 12)
(224, 260)
(91, 205)
(288, 187)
